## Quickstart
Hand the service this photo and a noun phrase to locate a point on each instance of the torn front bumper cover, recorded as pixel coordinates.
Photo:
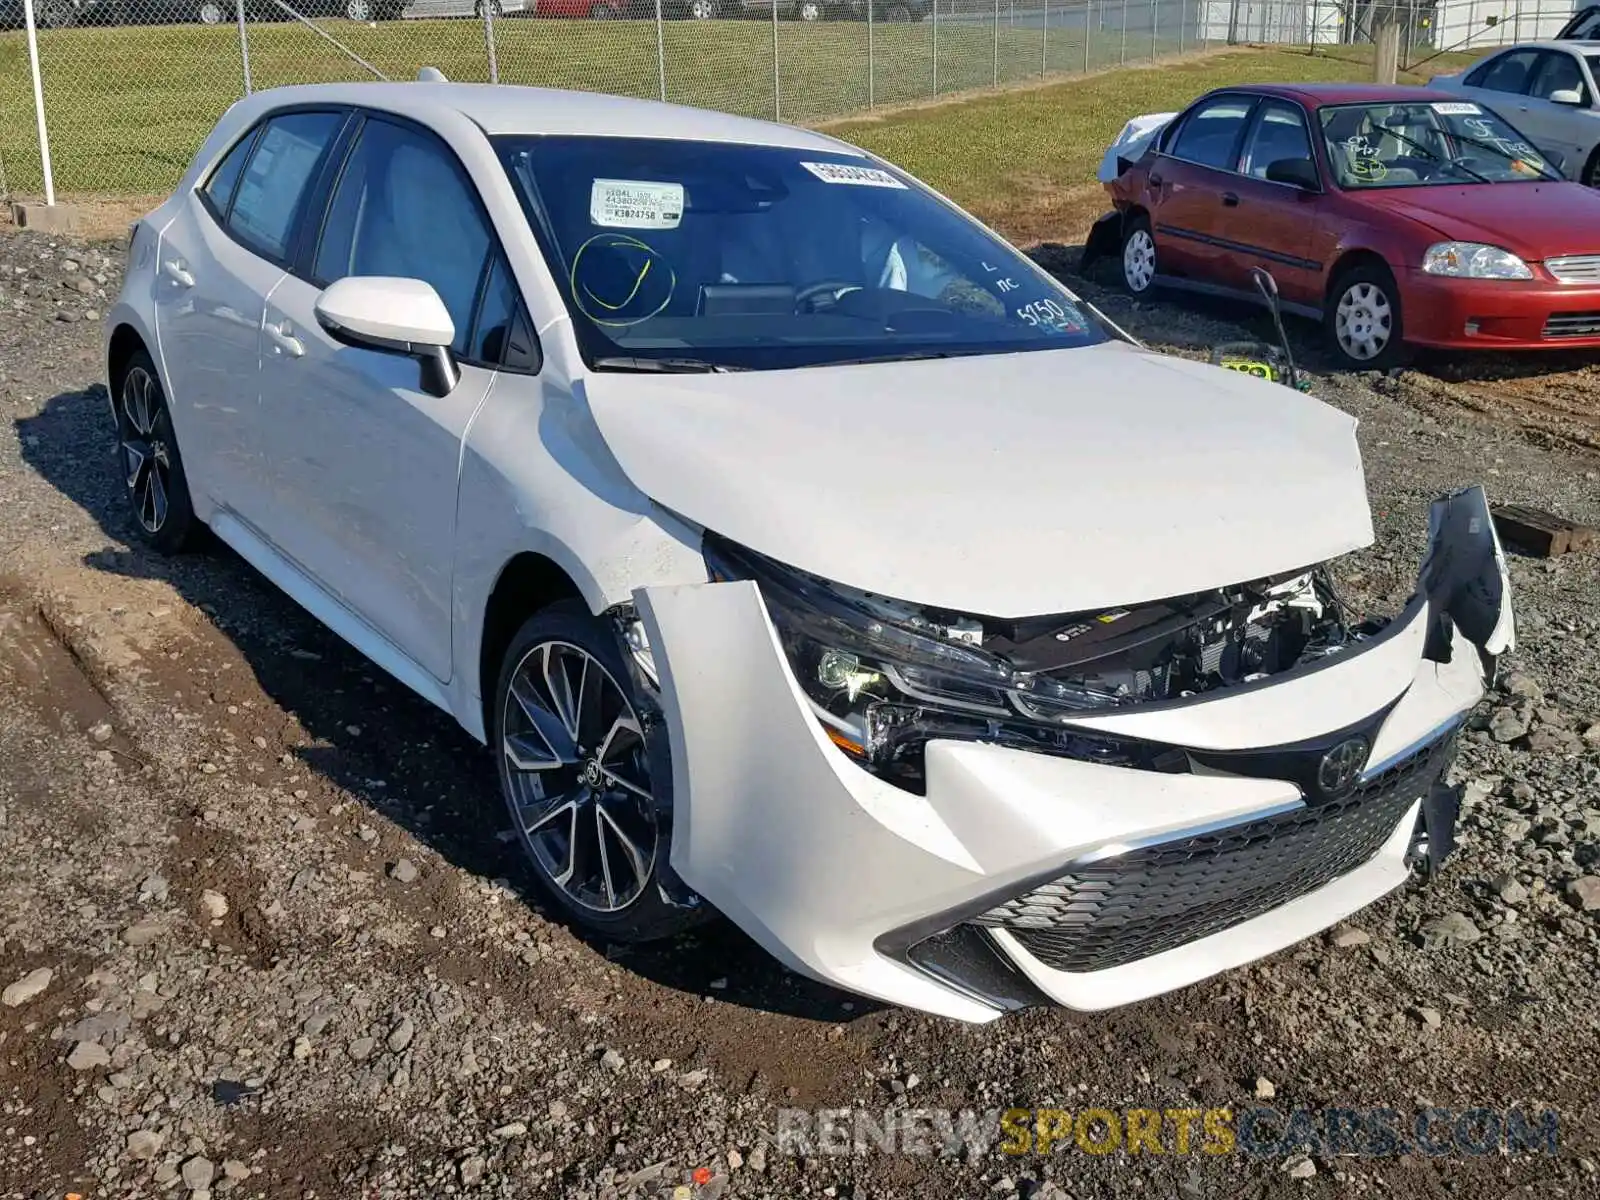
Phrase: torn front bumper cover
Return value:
(1022, 878)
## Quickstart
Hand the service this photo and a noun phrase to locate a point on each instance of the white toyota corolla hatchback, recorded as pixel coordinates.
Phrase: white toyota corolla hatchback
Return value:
(802, 551)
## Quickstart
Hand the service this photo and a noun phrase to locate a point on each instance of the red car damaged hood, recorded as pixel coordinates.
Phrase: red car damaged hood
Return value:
(1532, 220)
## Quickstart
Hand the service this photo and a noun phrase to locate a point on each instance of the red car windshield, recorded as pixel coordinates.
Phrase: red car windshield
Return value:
(1431, 142)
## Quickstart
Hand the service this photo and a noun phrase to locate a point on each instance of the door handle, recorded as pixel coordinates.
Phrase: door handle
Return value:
(1155, 179)
(1230, 200)
(177, 270)
(282, 336)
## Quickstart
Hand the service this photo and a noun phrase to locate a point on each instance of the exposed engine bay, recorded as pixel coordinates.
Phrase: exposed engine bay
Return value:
(884, 676)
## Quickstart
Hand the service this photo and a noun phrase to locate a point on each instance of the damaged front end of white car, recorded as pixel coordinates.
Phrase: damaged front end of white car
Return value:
(968, 814)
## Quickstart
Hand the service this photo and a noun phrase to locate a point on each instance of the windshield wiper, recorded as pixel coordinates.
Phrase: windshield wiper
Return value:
(1544, 169)
(902, 356)
(1449, 162)
(671, 366)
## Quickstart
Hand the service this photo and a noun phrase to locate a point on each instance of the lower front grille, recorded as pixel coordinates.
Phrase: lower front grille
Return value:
(1118, 910)
(1572, 325)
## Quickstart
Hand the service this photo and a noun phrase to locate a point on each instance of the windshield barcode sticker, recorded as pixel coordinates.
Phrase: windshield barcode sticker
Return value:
(1456, 108)
(635, 204)
(860, 176)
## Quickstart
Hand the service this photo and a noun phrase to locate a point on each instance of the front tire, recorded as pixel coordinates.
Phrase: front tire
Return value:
(152, 468)
(808, 10)
(1138, 256)
(584, 774)
(210, 13)
(1363, 319)
(702, 10)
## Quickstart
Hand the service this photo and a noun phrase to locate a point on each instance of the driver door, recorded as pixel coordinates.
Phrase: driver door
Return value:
(1272, 224)
(1565, 129)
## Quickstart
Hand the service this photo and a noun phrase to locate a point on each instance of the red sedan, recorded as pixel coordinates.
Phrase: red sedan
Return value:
(1394, 215)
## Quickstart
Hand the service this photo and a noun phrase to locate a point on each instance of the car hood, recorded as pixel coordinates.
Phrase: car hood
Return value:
(1533, 220)
(1001, 485)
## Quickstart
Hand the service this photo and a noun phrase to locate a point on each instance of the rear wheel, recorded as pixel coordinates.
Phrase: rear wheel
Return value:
(152, 468)
(808, 10)
(584, 772)
(210, 13)
(702, 10)
(1138, 256)
(1363, 318)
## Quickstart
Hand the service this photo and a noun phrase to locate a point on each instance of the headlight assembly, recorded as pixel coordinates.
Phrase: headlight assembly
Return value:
(884, 677)
(1473, 260)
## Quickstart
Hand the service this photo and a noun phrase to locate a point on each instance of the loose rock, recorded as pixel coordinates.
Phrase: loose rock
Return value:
(198, 1172)
(26, 988)
(86, 1056)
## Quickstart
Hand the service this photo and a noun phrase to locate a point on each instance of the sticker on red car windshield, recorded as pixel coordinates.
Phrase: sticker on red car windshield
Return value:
(845, 173)
(1456, 108)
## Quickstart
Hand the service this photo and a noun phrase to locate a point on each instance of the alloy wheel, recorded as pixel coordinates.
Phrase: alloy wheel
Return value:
(703, 10)
(578, 777)
(146, 458)
(1139, 260)
(211, 14)
(358, 10)
(810, 11)
(1364, 321)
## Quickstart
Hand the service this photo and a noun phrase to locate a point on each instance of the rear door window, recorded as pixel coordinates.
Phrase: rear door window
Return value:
(219, 188)
(273, 186)
(1210, 135)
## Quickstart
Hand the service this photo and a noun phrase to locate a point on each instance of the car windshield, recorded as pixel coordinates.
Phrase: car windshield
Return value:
(677, 255)
(1433, 142)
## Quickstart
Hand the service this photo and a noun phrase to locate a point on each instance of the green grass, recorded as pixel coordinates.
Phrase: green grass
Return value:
(128, 107)
(1025, 160)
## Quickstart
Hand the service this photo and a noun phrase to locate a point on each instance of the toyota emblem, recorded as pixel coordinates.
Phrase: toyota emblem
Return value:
(1341, 766)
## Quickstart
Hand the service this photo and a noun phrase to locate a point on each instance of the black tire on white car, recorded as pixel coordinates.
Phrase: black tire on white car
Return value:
(150, 464)
(1138, 255)
(1363, 318)
(585, 775)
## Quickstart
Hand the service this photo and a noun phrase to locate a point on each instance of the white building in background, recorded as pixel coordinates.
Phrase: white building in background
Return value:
(1442, 24)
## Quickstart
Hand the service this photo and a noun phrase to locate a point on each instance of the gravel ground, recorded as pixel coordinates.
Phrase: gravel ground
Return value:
(261, 932)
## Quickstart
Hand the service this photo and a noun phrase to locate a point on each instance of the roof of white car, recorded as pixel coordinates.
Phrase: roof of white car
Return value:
(506, 109)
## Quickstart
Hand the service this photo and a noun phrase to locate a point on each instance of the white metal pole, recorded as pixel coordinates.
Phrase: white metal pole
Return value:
(661, 52)
(38, 102)
(1088, 31)
(489, 50)
(1044, 43)
(244, 45)
(777, 103)
(935, 47)
(872, 82)
(995, 75)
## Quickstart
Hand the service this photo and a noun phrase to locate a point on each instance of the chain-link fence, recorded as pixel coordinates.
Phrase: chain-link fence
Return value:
(131, 87)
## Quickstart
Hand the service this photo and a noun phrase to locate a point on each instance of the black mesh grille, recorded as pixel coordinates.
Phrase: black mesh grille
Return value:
(1110, 913)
